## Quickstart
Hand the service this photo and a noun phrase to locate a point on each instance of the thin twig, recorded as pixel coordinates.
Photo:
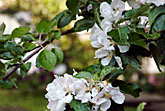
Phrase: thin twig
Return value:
(38, 48)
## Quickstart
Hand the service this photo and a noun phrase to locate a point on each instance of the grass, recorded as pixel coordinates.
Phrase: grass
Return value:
(13, 98)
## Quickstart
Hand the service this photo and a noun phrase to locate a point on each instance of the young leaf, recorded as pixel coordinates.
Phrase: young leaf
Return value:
(78, 106)
(135, 39)
(2, 29)
(83, 74)
(59, 54)
(141, 106)
(55, 34)
(159, 25)
(83, 24)
(94, 70)
(2, 69)
(156, 55)
(107, 70)
(128, 88)
(47, 59)
(28, 46)
(130, 60)
(73, 5)
(24, 69)
(65, 19)
(19, 32)
(55, 20)
(155, 12)
(43, 27)
(121, 35)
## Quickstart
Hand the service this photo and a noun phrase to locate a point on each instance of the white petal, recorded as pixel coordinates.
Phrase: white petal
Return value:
(106, 25)
(96, 44)
(106, 10)
(118, 98)
(100, 53)
(68, 98)
(101, 101)
(104, 41)
(119, 62)
(123, 48)
(134, 3)
(105, 61)
(94, 92)
(110, 48)
(106, 105)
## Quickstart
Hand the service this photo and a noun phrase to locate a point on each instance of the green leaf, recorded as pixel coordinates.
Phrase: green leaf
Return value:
(94, 70)
(24, 69)
(114, 75)
(55, 20)
(55, 34)
(130, 13)
(78, 106)
(2, 69)
(83, 74)
(156, 55)
(121, 35)
(59, 53)
(159, 25)
(107, 70)
(127, 59)
(141, 106)
(155, 12)
(6, 56)
(2, 29)
(47, 59)
(6, 84)
(135, 39)
(44, 26)
(73, 5)
(128, 88)
(28, 46)
(83, 24)
(161, 46)
(19, 32)
(65, 19)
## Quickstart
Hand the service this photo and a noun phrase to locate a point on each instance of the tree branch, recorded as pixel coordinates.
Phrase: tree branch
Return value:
(38, 48)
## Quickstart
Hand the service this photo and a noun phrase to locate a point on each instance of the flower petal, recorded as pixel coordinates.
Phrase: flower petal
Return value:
(100, 53)
(105, 61)
(106, 105)
(123, 48)
(106, 10)
(119, 62)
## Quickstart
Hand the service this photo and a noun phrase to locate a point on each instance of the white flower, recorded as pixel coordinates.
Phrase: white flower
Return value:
(59, 92)
(117, 96)
(156, 2)
(102, 99)
(112, 12)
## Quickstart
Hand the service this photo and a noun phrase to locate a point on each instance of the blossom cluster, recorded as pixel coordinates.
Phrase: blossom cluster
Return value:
(137, 3)
(99, 38)
(99, 93)
(111, 14)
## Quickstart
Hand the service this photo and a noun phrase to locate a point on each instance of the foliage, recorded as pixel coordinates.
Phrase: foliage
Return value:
(119, 37)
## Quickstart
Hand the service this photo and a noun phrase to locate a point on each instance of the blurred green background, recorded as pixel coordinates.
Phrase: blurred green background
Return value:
(78, 54)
